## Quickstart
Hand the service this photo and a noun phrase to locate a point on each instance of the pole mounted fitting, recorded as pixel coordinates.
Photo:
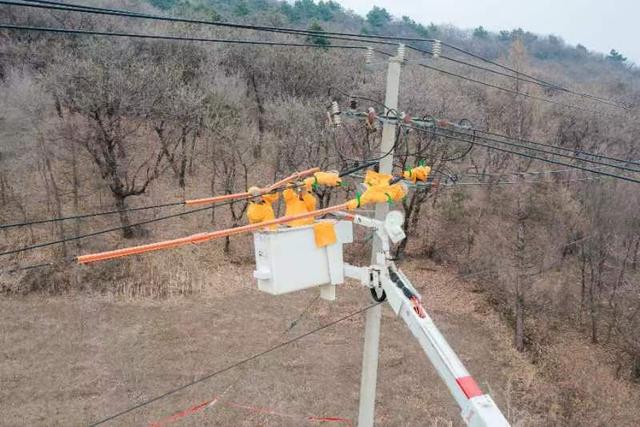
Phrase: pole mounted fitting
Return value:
(368, 56)
(401, 52)
(436, 49)
(335, 114)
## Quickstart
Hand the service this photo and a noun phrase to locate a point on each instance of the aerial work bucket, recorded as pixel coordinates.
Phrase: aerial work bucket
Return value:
(289, 259)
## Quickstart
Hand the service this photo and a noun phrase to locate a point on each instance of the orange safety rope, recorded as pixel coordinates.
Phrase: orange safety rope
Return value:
(245, 195)
(203, 237)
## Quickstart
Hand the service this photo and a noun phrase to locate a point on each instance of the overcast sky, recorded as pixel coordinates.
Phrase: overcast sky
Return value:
(599, 25)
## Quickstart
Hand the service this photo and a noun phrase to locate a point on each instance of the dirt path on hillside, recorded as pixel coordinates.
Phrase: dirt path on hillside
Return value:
(74, 360)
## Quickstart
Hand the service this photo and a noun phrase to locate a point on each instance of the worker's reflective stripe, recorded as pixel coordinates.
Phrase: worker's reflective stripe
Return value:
(469, 386)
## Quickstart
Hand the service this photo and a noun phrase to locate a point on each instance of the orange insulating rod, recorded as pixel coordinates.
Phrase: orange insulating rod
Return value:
(202, 237)
(225, 197)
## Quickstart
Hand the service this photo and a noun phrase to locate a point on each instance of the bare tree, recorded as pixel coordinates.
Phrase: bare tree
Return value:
(110, 90)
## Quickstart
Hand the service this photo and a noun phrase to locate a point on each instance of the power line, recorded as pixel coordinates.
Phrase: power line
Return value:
(511, 91)
(550, 85)
(504, 67)
(131, 14)
(30, 267)
(135, 15)
(433, 121)
(171, 38)
(53, 5)
(493, 147)
(520, 142)
(233, 365)
(119, 228)
(522, 78)
(370, 38)
(542, 172)
(87, 215)
(111, 230)
(595, 171)
(575, 151)
(572, 157)
(326, 34)
(453, 185)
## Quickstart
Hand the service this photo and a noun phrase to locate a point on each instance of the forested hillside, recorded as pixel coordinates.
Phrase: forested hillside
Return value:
(92, 123)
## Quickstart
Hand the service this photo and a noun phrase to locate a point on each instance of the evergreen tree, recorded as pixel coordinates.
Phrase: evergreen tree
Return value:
(480, 33)
(318, 39)
(378, 17)
(617, 57)
(163, 4)
(241, 9)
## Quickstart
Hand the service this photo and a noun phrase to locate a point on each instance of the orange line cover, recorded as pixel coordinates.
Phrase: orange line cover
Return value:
(202, 237)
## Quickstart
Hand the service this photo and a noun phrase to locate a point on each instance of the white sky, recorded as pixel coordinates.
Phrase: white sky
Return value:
(600, 25)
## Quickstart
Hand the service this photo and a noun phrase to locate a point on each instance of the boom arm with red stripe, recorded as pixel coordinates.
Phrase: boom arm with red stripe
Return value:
(477, 409)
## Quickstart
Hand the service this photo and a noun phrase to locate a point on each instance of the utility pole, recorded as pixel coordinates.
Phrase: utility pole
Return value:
(366, 414)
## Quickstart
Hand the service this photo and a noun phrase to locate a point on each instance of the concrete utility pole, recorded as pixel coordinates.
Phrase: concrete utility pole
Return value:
(366, 414)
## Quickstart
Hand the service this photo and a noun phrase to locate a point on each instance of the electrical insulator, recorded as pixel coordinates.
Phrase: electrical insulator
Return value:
(335, 114)
(401, 51)
(368, 56)
(436, 49)
(372, 118)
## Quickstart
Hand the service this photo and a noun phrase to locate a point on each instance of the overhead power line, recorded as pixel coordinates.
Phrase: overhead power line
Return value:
(172, 38)
(87, 215)
(511, 91)
(127, 14)
(576, 152)
(346, 172)
(130, 14)
(53, 5)
(519, 153)
(519, 182)
(370, 38)
(501, 88)
(111, 230)
(345, 36)
(522, 78)
(431, 123)
(520, 73)
(233, 365)
(541, 150)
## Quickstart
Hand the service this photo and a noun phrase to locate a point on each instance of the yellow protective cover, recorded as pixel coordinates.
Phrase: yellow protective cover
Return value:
(382, 193)
(419, 173)
(262, 210)
(324, 233)
(373, 178)
(328, 179)
(295, 205)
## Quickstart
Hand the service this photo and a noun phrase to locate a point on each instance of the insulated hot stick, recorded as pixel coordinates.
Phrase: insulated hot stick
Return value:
(216, 199)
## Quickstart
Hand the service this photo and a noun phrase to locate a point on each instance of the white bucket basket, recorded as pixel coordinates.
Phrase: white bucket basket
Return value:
(288, 260)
